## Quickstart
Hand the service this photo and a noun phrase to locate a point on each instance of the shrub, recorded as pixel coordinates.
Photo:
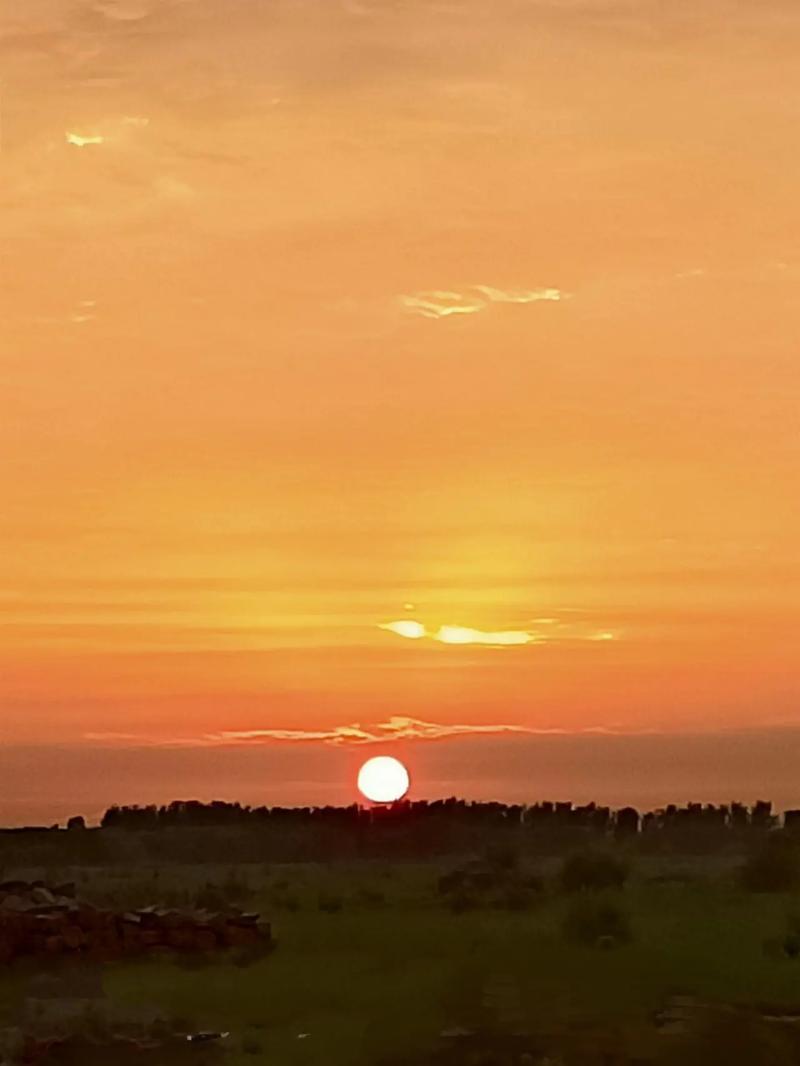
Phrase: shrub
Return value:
(592, 871)
(251, 1046)
(250, 954)
(502, 857)
(534, 883)
(597, 923)
(451, 882)
(193, 960)
(462, 901)
(786, 946)
(235, 889)
(485, 878)
(330, 903)
(515, 898)
(735, 1038)
(774, 868)
(370, 897)
(289, 902)
(210, 898)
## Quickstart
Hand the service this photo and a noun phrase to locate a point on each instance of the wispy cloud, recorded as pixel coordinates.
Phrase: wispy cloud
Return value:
(439, 303)
(342, 734)
(123, 10)
(405, 628)
(77, 140)
(499, 296)
(467, 635)
(411, 629)
(394, 729)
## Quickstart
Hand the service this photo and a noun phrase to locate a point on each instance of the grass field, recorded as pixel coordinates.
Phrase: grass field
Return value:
(383, 975)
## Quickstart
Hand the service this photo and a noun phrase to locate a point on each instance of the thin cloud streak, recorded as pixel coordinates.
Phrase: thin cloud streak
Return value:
(78, 141)
(438, 304)
(452, 634)
(397, 728)
(410, 629)
(498, 296)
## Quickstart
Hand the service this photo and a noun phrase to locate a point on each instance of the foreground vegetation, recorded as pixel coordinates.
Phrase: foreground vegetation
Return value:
(376, 959)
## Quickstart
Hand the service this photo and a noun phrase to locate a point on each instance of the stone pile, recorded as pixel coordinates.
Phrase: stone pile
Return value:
(37, 919)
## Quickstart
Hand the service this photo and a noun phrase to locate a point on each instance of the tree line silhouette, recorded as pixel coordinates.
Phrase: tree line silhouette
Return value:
(624, 821)
(191, 831)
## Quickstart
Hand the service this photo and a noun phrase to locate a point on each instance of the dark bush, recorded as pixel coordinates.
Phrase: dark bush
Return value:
(592, 871)
(774, 868)
(786, 946)
(502, 857)
(210, 898)
(451, 882)
(193, 960)
(597, 923)
(252, 953)
(485, 878)
(462, 901)
(370, 897)
(516, 898)
(286, 901)
(251, 1046)
(234, 889)
(735, 1038)
(330, 902)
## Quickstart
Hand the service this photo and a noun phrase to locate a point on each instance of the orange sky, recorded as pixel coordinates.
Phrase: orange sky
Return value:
(321, 315)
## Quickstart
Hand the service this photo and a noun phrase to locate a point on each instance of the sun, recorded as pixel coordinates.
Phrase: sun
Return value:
(383, 779)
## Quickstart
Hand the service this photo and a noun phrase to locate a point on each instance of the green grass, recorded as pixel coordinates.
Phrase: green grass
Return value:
(377, 980)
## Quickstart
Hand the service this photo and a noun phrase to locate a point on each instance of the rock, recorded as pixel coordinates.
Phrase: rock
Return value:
(17, 903)
(205, 940)
(74, 937)
(42, 896)
(6, 948)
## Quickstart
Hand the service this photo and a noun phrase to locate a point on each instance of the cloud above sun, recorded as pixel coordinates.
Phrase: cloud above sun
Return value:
(396, 728)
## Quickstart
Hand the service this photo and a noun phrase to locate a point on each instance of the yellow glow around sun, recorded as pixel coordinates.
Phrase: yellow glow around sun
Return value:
(383, 779)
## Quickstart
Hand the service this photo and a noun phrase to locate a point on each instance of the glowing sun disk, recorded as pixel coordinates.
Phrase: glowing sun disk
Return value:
(383, 779)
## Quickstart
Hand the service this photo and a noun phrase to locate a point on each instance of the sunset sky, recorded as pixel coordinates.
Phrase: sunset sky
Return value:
(410, 376)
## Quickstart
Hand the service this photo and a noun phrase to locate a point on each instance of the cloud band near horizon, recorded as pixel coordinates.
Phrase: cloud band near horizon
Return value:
(395, 728)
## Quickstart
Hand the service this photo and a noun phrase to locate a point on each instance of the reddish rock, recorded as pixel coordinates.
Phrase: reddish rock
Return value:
(74, 937)
(53, 945)
(205, 940)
